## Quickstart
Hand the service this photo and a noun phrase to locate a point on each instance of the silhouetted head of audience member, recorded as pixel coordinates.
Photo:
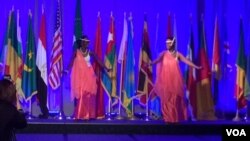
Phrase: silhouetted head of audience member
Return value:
(7, 90)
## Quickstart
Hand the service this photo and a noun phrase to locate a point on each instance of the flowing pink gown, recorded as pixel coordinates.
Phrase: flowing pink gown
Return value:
(169, 86)
(83, 88)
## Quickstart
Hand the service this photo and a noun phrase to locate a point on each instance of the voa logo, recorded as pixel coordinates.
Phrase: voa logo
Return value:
(236, 132)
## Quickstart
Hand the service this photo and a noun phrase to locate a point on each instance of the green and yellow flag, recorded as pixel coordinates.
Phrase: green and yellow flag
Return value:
(14, 63)
(109, 79)
(241, 71)
(29, 84)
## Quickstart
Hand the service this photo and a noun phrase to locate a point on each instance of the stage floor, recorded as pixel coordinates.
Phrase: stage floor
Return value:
(153, 127)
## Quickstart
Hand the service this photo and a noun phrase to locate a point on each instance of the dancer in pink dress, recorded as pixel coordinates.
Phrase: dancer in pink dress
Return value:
(83, 80)
(169, 85)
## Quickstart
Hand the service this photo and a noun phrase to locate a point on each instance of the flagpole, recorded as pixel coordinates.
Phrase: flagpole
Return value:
(132, 111)
(61, 112)
(237, 117)
(108, 73)
(30, 109)
(109, 110)
(147, 108)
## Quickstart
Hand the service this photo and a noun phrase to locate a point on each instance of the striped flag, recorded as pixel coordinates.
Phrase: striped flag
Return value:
(41, 64)
(56, 65)
(205, 105)
(241, 70)
(14, 62)
(109, 79)
(145, 84)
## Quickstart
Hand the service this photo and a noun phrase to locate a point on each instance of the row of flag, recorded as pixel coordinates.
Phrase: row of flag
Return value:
(22, 72)
(202, 86)
(30, 72)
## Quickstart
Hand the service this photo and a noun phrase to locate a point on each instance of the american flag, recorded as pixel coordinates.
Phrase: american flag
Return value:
(56, 65)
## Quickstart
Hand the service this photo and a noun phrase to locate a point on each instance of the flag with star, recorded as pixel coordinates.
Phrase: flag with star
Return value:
(29, 84)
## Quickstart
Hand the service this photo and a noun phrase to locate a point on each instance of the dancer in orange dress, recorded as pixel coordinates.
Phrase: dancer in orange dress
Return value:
(83, 80)
(169, 85)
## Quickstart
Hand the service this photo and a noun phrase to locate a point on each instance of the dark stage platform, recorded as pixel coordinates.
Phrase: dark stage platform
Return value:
(155, 127)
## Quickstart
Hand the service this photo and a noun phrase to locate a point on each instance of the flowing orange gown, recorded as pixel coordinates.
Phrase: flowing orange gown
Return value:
(83, 87)
(169, 86)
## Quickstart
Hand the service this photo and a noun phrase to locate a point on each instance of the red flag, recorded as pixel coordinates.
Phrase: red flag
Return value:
(170, 27)
(98, 51)
(205, 105)
(41, 63)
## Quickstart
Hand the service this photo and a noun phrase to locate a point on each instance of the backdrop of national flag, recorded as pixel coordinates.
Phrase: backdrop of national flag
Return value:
(241, 70)
(109, 78)
(129, 74)
(29, 84)
(145, 80)
(207, 79)
(205, 104)
(56, 62)
(14, 63)
(41, 64)
(98, 70)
